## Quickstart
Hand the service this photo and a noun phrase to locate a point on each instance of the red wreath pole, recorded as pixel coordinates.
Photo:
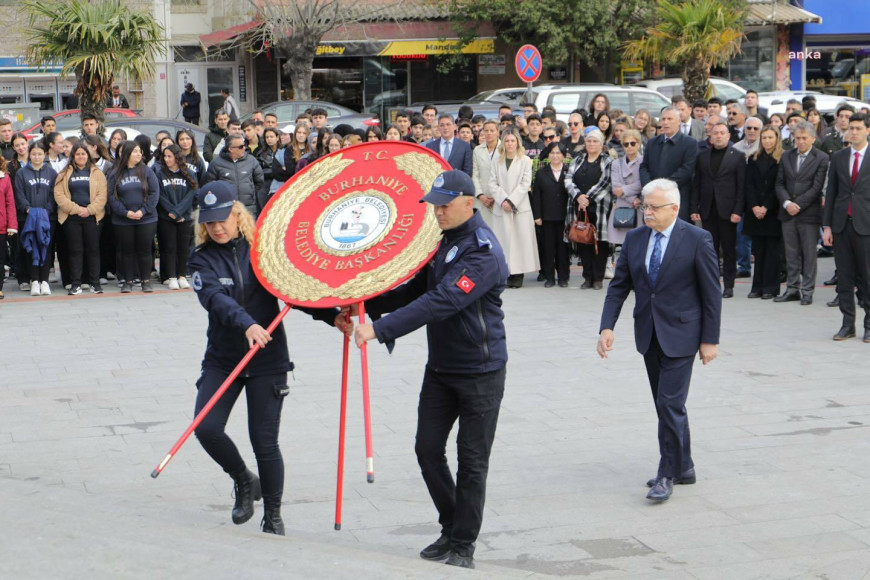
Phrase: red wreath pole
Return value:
(214, 399)
(367, 412)
(341, 427)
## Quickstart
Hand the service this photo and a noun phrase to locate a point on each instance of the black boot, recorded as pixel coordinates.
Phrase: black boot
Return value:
(247, 491)
(272, 522)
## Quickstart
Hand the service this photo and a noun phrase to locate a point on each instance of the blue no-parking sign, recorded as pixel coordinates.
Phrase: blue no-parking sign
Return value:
(528, 63)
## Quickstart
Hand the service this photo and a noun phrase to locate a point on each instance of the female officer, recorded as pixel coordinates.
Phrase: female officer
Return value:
(239, 309)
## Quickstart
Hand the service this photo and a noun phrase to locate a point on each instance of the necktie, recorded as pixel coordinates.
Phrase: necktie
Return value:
(800, 161)
(685, 128)
(655, 260)
(446, 150)
(854, 179)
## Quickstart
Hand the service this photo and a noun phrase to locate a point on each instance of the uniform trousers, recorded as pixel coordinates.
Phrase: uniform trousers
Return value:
(265, 397)
(852, 258)
(475, 400)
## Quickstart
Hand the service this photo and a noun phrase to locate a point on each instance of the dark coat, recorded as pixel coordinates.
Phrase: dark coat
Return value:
(803, 188)
(841, 193)
(725, 187)
(674, 160)
(549, 196)
(110, 102)
(192, 99)
(460, 154)
(761, 175)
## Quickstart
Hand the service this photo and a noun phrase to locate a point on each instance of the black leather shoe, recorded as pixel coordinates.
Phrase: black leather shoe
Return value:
(549, 284)
(866, 335)
(662, 489)
(597, 285)
(563, 283)
(247, 491)
(685, 478)
(806, 300)
(272, 522)
(541, 278)
(728, 293)
(754, 294)
(835, 303)
(831, 282)
(788, 297)
(437, 550)
(744, 274)
(455, 559)
(846, 332)
(768, 296)
(586, 285)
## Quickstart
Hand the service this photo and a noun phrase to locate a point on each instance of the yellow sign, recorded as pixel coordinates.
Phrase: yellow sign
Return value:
(865, 88)
(403, 47)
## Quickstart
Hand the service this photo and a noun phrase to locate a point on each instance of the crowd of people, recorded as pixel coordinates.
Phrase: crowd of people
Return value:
(755, 182)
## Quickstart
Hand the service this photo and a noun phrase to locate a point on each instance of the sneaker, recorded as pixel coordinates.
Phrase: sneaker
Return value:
(96, 289)
(126, 288)
(24, 286)
(75, 290)
(183, 283)
(44, 289)
(121, 283)
(110, 276)
(173, 284)
(146, 287)
(608, 271)
(34, 289)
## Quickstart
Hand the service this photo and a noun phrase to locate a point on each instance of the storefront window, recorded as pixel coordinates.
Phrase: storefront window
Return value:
(335, 80)
(837, 71)
(754, 68)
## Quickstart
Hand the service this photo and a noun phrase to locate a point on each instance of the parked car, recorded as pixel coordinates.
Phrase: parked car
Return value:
(150, 127)
(671, 86)
(566, 98)
(513, 96)
(775, 102)
(488, 109)
(335, 114)
(70, 120)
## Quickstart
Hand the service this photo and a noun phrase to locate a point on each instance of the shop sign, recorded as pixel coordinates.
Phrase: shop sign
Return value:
(407, 48)
(558, 73)
(491, 64)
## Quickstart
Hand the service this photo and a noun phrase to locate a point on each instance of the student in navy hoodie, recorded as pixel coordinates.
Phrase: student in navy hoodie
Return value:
(133, 195)
(186, 141)
(239, 310)
(174, 216)
(34, 187)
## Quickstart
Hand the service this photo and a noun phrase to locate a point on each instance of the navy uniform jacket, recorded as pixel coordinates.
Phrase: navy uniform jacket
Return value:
(685, 306)
(228, 289)
(458, 296)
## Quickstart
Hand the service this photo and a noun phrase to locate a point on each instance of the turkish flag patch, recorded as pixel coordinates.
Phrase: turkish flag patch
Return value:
(465, 284)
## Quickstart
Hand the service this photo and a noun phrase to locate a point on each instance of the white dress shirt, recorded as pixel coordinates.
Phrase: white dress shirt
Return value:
(664, 243)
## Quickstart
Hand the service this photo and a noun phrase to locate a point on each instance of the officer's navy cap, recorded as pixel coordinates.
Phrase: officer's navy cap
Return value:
(216, 201)
(448, 186)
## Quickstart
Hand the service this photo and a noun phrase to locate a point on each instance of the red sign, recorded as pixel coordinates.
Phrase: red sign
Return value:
(528, 63)
(349, 226)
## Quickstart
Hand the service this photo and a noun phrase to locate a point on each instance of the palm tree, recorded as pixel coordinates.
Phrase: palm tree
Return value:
(693, 35)
(96, 40)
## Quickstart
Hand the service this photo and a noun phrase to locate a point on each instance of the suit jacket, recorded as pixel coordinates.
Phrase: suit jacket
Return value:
(674, 160)
(460, 154)
(549, 196)
(804, 187)
(110, 102)
(684, 307)
(841, 192)
(697, 130)
(726, 187)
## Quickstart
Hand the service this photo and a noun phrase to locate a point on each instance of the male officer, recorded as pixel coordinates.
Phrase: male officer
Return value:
(458, 297)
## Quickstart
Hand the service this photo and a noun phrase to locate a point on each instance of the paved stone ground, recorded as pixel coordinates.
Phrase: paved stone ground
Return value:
(94, 391)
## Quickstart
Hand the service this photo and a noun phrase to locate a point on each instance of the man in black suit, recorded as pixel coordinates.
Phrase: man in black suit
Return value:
(116, 100)
(847, 223)
(717, 198)
(673, 270)
(799, 185)
(737, 116)
(455, 151)
(671, 155)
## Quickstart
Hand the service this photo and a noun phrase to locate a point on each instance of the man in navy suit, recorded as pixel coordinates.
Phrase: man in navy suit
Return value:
(673, 269)
(455, 151)
(671, 155)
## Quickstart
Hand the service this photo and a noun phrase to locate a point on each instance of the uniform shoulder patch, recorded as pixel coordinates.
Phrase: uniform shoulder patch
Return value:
(196, 281)
(483, 238)
(465, 284)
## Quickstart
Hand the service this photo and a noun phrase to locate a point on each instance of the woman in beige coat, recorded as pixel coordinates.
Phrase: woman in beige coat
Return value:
(80, 193)
(512, 222)
(483, 157)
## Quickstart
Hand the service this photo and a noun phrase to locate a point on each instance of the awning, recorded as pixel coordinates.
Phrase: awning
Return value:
(228, 34)
(775, 13)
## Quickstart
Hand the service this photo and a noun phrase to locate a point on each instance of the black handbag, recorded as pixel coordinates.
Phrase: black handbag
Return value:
(625, 218)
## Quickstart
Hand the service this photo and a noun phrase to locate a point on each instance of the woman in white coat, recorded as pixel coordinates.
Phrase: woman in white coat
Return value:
(512, 222)
(483, 157)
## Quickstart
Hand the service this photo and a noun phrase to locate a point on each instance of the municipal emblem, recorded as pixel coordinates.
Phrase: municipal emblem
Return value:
(209, 199)
(451, 254)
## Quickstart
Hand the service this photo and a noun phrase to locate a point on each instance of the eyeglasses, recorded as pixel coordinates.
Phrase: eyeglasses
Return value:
(237, 147)
(751, 129)
(549, 137)
(575, 124)
(646, 207)
(732, 113)
(629, 144)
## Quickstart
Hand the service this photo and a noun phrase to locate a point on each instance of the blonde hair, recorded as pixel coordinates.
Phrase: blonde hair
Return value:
(633, 133)
(521, 152)
(350, 140)
(247, 226)
(777, 149)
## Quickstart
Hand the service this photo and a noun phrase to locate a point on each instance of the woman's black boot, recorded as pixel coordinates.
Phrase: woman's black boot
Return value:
(247, 491)
(272, 522)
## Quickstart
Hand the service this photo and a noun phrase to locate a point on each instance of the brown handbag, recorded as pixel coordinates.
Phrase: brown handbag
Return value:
(583, 232)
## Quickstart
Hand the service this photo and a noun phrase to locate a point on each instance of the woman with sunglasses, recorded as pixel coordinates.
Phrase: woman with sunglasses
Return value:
(625, 178)
(576, 143)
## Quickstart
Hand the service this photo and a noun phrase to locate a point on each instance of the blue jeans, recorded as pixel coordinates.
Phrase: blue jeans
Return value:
(744, 249)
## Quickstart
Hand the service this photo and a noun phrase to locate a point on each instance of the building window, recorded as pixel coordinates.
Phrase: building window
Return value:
(755, 67)
(836, 71)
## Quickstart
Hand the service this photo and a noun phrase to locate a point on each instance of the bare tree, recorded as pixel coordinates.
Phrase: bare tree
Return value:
(296, 28)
